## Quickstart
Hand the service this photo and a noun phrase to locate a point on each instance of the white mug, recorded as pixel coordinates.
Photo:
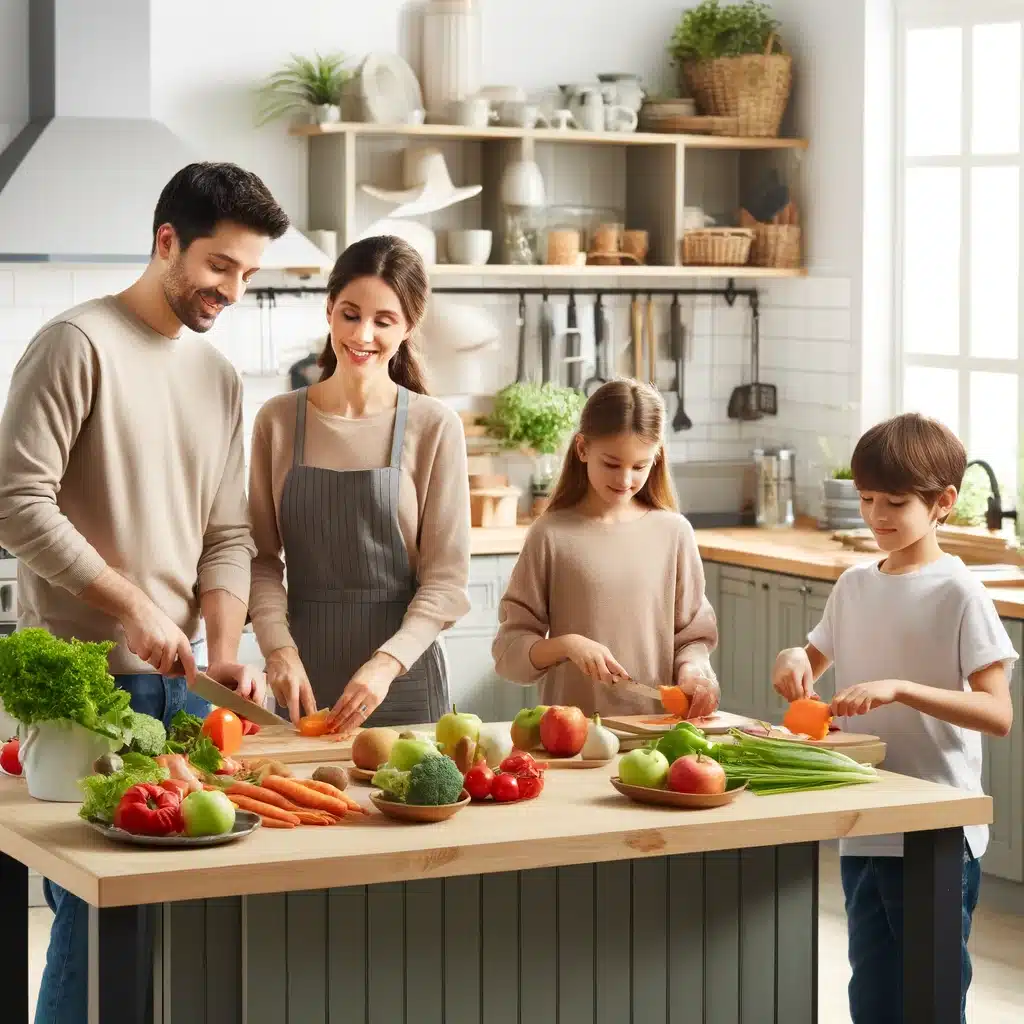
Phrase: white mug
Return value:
(521, 115)
(562, 119)
(620, 119)
(473, 112)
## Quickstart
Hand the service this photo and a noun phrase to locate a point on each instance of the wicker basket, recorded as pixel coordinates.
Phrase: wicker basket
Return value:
(717, 247)
(680, 124)
(776, 245)
(753, 88)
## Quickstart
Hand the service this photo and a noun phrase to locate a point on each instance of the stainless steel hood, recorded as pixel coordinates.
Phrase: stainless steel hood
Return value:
(80, 181)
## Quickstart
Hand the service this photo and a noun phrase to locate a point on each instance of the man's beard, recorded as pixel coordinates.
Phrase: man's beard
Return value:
(186, 301)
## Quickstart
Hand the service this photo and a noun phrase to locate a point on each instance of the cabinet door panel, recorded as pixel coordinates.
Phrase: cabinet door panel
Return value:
(740, 639)
(786, 602)
(817, 596)
(1003, 779)
(713, 591)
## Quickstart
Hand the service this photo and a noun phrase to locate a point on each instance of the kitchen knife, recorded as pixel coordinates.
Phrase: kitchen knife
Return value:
(209, 689)
(640, 688)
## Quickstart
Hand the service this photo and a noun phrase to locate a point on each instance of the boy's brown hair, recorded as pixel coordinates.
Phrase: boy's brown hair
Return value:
(909, 454)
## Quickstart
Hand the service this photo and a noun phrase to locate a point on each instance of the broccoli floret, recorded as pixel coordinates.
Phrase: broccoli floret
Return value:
(148, 735)
(434, 781)
(392, 781)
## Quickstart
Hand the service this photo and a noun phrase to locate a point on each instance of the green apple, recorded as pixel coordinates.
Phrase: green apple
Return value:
(526, 728)
(207, 813)
(407, 753)
(642, 767)
(453, 726)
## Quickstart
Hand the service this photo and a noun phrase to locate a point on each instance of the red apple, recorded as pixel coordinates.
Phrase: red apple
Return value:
(696, 773)
(563, 731)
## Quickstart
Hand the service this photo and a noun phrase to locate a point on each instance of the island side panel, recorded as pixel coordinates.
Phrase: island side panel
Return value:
(726, 938)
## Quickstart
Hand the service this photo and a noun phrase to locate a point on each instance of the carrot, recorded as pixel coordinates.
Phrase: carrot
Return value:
(263, 810)
(304, 796)
(261, 793)
(328, 790)
(316, 818)
(275, 822)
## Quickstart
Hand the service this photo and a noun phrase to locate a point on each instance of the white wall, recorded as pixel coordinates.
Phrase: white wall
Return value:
(206, 59)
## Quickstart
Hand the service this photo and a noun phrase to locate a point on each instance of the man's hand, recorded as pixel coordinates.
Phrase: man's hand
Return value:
(152, 637)
(246, 680)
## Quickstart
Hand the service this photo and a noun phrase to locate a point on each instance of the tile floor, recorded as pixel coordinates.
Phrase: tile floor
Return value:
(997, 944)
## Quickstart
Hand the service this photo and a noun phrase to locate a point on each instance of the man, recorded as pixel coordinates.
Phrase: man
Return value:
(122, 490)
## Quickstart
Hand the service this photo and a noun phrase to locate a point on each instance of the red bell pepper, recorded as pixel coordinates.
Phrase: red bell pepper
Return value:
(149, 810)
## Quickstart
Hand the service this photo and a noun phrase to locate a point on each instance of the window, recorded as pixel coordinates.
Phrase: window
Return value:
(959, 152)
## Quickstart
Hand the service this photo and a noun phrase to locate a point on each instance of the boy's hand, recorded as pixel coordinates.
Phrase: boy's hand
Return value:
(862, 698)
(792, 676)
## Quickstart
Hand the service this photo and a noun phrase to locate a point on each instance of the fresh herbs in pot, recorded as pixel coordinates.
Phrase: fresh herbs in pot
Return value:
(712, 30)
(535, 417)
(46, 679)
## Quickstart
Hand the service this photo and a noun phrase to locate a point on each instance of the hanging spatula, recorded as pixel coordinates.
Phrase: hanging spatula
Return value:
(754, 400)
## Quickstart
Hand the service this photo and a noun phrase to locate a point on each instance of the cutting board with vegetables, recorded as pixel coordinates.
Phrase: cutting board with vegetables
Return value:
(861, 747)
(656, 725)
(282, 743)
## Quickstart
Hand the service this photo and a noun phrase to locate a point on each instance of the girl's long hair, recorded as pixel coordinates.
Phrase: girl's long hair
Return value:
(401, 268)
(623, 406)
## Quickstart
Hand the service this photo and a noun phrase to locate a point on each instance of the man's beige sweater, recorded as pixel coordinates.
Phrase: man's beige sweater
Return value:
(121, 447)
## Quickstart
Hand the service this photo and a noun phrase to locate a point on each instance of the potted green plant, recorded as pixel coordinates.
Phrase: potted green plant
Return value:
(731, 61)
(304, 85)
(68, 708)
(536, 419)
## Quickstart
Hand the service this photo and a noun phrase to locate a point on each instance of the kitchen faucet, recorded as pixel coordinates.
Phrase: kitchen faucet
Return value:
(994, 514)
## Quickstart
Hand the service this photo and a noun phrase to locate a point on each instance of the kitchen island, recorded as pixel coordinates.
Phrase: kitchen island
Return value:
(579, 906)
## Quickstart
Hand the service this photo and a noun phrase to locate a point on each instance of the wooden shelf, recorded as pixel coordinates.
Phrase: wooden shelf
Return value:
(503, 270)
(569, 135)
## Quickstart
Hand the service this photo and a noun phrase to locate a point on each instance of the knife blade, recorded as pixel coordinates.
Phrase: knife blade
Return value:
(209, 689)
(641, 688)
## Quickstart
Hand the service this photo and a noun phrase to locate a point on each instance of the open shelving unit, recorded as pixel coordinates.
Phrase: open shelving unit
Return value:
(650, 177)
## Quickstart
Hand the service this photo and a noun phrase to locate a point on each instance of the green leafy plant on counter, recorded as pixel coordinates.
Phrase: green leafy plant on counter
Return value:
(711, 30)
(46, 679)
(302, 84)
(842, 473)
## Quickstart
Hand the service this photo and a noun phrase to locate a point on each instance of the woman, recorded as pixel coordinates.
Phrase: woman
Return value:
(359, 486)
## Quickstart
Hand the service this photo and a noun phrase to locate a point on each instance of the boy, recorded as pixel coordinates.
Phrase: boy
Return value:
(920, 652)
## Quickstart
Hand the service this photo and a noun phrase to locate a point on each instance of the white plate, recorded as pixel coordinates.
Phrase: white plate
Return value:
(390, 90)
(245, 824)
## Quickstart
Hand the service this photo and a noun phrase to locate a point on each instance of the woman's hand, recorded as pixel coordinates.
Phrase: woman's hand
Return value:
(364, 693)
(793, 675)
(592, 659)
(697, 680)
(288, 680)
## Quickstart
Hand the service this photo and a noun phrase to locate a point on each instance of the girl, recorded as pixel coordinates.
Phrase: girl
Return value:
(609, 585)
(359, 486)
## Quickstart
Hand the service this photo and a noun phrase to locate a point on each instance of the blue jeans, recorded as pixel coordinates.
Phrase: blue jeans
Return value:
(873, 887)
(64, 989)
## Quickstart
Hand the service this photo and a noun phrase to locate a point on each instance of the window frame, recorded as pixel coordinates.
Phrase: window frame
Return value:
(916, 14)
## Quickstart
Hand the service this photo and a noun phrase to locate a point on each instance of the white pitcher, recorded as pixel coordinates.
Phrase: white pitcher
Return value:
(55, 755)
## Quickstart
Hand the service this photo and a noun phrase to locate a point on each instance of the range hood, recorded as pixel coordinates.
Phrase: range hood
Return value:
(79, 183)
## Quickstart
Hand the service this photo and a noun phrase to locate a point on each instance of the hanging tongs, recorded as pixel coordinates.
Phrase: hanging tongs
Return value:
(591, 384)
(547, 334)
(521, 351)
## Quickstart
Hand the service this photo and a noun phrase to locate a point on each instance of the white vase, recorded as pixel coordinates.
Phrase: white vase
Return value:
(452, 55)
(55, 755)
(327, 113)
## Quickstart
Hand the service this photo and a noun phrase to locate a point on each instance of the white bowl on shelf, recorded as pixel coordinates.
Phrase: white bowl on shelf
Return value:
(471, 248)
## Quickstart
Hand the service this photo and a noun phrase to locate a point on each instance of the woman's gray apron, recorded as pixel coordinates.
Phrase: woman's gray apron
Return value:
(349, 579)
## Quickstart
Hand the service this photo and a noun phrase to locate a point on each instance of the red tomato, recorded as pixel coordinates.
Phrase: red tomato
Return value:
(505, 788)
(530, 786)
(224, 728)
(479, 780)
(9, 758)
(520, 763)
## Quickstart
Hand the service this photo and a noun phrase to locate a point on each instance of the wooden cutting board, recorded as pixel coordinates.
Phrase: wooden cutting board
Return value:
(640, 725)
(861, 747)
(282, 743)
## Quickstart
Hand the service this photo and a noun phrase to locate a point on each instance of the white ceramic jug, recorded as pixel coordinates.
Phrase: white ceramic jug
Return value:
(55, 755)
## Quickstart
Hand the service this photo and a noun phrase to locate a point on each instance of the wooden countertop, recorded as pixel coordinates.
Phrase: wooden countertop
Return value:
(578, 819)
(798, 551)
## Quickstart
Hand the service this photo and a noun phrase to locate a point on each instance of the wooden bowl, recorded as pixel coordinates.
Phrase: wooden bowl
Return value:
(684, 801)
(414, 812)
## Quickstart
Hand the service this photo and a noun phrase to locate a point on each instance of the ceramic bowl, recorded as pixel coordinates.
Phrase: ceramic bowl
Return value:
(470, 248)
(669, 798)
(413, 812)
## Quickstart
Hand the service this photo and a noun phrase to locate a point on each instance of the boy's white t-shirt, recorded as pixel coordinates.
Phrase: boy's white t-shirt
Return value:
(935, 626)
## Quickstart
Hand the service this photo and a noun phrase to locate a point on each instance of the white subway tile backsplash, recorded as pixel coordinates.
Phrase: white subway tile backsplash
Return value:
(44, 287)
(6, 288)
(19, 323)
(94, 283)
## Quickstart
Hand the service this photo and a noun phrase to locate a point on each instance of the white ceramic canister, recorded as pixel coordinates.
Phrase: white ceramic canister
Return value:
(55, 755)
(452, 54)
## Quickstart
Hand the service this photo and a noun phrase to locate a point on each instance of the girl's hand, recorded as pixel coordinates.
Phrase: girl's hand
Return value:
(364, 693)
(792, 676)
(592, 659)
(287, 678)
(697, 681)
(864, 697)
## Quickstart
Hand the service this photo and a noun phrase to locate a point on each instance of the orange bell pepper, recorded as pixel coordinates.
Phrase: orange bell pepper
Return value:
(674, 701)
(809, 716)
